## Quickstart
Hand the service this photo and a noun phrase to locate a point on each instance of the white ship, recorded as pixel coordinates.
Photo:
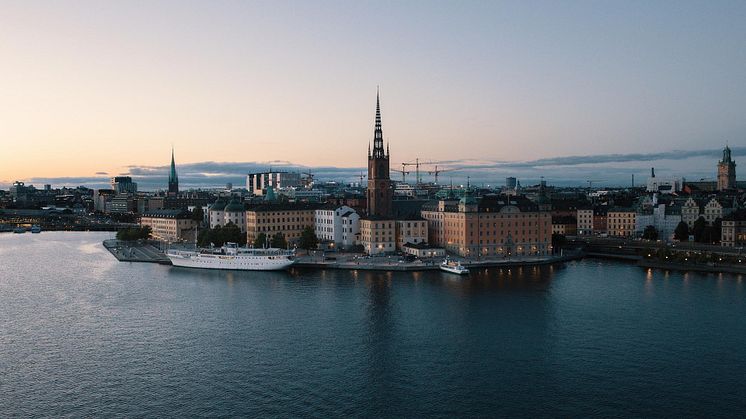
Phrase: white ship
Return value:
(232, 257)
(453, 267)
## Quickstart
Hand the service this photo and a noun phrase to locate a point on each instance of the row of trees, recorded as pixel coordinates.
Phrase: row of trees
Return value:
(700, 230)
(220, 235)
(232, 233)
(134, 233)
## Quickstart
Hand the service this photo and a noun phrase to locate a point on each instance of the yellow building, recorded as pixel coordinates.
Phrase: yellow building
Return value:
(170, 225)
(621, 222)
(378, 235)
(289, 219)
(410, 231)
(495, 226)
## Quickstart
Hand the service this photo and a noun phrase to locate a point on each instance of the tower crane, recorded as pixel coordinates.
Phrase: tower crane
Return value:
(404, 174)
(436, 172)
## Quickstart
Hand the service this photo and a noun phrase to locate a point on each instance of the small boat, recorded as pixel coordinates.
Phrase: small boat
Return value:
(453, 267)
(19, 230)
(35, 229)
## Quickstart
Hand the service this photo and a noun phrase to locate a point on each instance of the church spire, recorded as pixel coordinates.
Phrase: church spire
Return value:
(378, 151)
(173, 178)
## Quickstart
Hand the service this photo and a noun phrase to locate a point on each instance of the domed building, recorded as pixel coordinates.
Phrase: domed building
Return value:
(217, 213)
(235, 212)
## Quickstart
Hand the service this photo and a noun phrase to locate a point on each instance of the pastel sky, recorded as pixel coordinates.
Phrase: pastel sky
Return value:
(95, 87)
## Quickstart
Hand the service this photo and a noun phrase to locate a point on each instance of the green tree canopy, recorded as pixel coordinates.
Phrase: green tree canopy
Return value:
(699, 229)
(682, 231)
(135, 233)
(260, 241)
(278, 241)
(308, 239)
(650, 233)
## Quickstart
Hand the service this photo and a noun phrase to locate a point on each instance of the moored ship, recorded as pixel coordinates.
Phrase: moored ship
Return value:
(232, 257)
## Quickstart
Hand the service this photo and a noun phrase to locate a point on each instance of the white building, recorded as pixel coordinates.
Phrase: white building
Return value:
(338, 225)
(222, 213)
(690, 211)
(664, 218)
(257, 183)
(664, 184)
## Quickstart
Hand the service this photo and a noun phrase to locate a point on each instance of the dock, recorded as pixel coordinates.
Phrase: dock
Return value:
(126, 251)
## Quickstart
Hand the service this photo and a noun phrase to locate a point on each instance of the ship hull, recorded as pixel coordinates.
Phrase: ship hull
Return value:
(231, 262)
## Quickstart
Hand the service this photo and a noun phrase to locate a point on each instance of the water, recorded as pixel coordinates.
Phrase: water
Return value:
(84, 335)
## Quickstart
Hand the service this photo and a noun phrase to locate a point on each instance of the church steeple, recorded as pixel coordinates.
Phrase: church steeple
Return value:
(380, 192)
(378, 132)
(173, 178)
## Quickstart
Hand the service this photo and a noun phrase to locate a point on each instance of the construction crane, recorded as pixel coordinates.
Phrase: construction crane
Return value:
(436, 172)
(404, 174)
(416, 165)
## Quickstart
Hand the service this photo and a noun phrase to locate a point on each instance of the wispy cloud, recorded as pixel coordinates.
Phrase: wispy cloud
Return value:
(609, 169)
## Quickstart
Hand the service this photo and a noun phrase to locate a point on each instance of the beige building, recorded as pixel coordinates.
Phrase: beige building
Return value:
(410, 231)
(717, 208)
(378, 235)
(289, 219)
(495, 226)
(621, 222)
(733, 232)
(170, 225)
(585, 222)
(690, 211)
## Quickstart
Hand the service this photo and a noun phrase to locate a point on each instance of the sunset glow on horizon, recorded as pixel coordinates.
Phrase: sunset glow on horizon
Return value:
(95, 87)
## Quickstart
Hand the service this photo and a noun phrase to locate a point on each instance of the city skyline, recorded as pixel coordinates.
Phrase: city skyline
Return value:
(484, 87)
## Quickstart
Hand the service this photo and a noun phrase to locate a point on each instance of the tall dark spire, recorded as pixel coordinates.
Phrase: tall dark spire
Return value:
(173, 178)
(378, 151)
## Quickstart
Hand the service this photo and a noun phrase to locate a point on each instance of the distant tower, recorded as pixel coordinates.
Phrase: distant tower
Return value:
(173, 179)
(726, 171)
(380, 193)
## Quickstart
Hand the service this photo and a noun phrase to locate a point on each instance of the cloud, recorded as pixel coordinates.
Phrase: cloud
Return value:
(602, 169)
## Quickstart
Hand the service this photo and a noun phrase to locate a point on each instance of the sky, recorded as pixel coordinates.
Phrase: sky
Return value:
(92, 89)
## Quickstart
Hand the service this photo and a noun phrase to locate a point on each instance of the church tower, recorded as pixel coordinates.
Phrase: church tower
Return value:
(726, 171)
(173, 179)
(380, 193)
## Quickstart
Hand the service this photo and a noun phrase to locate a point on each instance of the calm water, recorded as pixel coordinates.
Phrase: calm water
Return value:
(84, 335)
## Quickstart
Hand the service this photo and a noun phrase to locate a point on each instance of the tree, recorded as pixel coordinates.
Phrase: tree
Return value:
(682, 231)
(198, 214)
(650, 233)
(260, 241)
(699, 229)
(717, 230)
(232, 233)
(558, 241)
(278, 241)
(308, 239)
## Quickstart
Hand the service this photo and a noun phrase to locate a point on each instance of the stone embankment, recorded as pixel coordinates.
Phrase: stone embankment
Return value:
(126, 251)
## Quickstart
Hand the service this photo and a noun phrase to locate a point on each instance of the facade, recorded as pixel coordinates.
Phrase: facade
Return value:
(170, 225)
(665, 219)
(718, 207)
(123, 203)
(338, 225)
(123, 184)
(726, 172)
(423, 250)
(690, 211)
(600, 221)
(101, 197)
(173, 179)
(621, 222)
(222, 213)
(585, 222)
(377, 235)
(565, 225)
(733, 233)
(257, 183)
(289, 219)
(495, 226)
(410, 232)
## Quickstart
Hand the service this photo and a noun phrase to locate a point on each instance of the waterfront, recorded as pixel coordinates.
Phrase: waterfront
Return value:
(84, 335)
